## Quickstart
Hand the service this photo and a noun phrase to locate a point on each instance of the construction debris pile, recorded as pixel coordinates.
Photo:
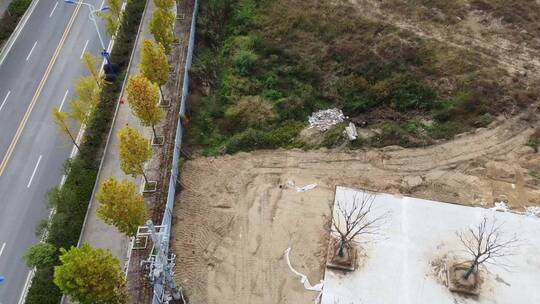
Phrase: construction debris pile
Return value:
(325, 119)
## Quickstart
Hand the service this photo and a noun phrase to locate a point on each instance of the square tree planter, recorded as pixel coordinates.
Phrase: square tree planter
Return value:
(140, 242)
(150, 187)
(164, 102)
(158, 141)
(347, 262)
(457, 283)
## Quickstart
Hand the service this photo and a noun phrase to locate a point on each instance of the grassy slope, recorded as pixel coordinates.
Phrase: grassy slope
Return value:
(263, 66)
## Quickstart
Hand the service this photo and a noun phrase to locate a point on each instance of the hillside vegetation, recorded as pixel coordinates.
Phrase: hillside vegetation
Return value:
(262, 67)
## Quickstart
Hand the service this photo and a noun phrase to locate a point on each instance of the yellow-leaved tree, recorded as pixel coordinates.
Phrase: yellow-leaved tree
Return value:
(161, 26)
(90, 276)
(92, 64)
(83, 107)
(143, 97)
(165, 4)
(61, 120)
(112, 17)
(121, 205)
(134, 152)
(154, 65)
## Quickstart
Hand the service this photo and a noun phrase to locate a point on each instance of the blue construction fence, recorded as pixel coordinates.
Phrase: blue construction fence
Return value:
(167, 216)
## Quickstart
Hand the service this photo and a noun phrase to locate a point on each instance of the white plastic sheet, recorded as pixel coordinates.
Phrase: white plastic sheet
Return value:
(301, 189)
(303, 278)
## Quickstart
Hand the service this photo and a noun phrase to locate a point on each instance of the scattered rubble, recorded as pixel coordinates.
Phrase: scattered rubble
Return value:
(350, 130)
(532, 211)
(500, 206)
(325, 119)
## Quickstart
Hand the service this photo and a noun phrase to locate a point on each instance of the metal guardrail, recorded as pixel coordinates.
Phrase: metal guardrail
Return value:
(167, 216)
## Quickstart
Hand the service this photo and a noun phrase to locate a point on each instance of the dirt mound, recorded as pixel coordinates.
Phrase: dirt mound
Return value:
(237, 214)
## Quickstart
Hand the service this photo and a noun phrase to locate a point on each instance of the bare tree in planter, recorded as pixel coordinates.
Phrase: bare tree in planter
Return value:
(358, 219)
(486, 243)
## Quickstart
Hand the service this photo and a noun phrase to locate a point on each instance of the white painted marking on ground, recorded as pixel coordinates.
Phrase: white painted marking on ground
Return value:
(2, 248)
(102, 3)
(17, 32)
(84, 48)
(28, 57)
(54, 8)
(4, 101)
(63, 100)
(24, 291)
(34, 173)
(74, 150)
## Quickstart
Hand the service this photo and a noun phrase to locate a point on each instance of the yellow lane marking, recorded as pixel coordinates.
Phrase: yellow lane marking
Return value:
(38, 92)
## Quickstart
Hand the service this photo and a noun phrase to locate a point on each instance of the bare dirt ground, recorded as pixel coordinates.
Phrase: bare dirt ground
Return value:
(237, 214)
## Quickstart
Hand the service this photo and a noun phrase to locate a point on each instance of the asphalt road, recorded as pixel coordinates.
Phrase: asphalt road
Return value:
(31, 84)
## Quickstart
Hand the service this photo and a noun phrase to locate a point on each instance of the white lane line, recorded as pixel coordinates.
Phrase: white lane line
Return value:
(22, 298)
(28, 57)
(2, 248)
(102, 3)
(84, 48)
(3, 102)
(54, 8)
(34, 173)
(63, 100)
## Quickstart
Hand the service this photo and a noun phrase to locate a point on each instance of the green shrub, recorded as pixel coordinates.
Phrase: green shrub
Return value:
(334, 136)
(18, 7)
(251, 112)
(446, 130)
(410, 134)
(11, 17)
(252, 139)
(245, 60)
(353, 94)
(391, 134)
(407, 93)
(41, 255)
(454, 107)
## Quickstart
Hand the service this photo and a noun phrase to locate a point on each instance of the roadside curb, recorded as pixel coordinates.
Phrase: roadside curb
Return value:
(20, 25)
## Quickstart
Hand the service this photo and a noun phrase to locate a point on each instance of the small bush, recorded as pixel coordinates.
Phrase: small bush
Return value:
(11, 17)
(334, 136)
(252, 139)
(245, 60)
(459, 106)
(41, 255)
(251, 112)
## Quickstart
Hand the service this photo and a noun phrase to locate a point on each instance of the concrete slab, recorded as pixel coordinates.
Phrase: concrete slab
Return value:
(397, 267)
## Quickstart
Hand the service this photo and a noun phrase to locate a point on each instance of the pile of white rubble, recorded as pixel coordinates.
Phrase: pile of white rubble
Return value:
(325, 119)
